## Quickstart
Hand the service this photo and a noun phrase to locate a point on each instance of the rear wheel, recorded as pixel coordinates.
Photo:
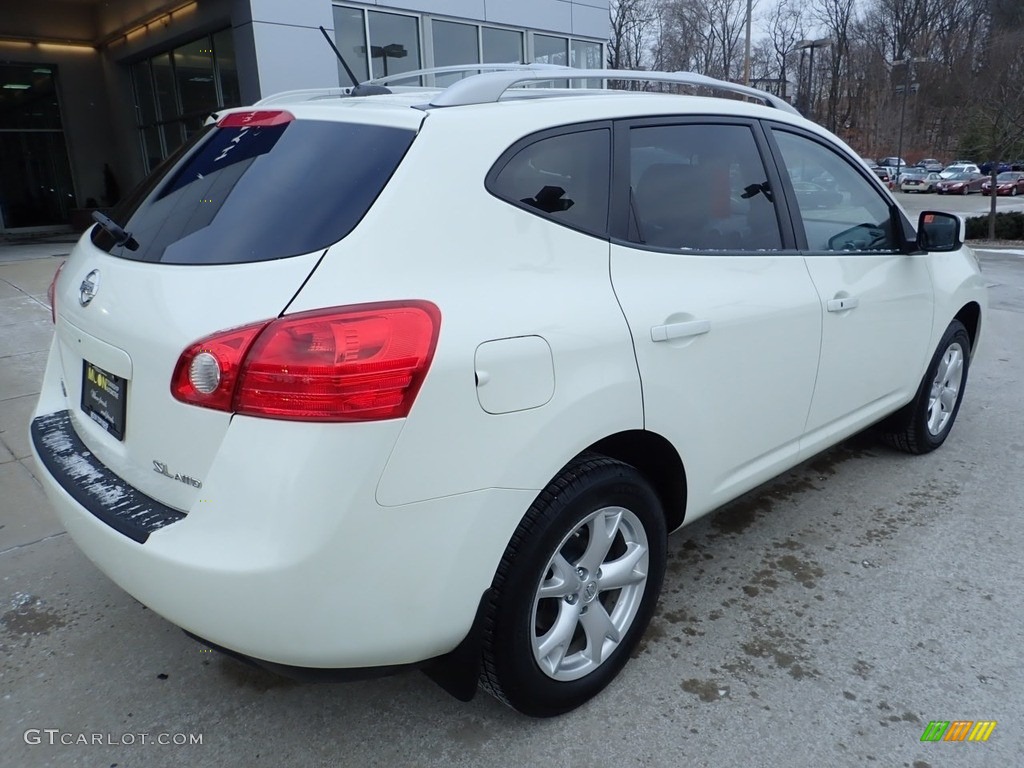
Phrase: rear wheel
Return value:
(575, 589)
(924, 424)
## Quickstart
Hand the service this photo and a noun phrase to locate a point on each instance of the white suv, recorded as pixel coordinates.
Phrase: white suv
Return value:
(423, 378)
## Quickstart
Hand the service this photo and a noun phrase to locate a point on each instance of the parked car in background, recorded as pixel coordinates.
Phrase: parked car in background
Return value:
(895, 162)
(1007, 183)
(885, 175)
(953, 170)
(961, 184)
(930, 164)
(919, 182)
(1001, 167)
(812, 195)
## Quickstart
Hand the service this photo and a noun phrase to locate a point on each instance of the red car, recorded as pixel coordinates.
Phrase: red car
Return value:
(960, 184)
(1007, 183)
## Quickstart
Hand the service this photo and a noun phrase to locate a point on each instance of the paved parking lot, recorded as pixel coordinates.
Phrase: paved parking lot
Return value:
(967, 205)
(821, 620)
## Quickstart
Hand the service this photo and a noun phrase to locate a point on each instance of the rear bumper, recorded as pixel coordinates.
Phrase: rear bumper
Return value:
(289, 560)
(91, 484)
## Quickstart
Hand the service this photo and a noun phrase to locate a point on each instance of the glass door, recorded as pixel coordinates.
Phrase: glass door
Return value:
(35, 177)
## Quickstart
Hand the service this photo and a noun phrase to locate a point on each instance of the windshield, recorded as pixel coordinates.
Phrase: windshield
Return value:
(1007, 176)
(255, 193)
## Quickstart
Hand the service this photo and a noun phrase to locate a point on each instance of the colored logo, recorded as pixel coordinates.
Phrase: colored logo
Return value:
(958, 730)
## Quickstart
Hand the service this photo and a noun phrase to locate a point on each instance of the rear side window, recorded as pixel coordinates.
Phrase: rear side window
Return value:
(565, 178)
(255, 193)
(700, 187)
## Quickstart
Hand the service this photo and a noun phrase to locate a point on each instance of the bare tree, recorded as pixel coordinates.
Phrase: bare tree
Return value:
(632, 31)
(999, 106)
(837, 18)
(705, 35)
(786, 26)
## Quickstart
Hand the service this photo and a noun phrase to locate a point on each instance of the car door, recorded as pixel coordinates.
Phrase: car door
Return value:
(725, 320)
(876, 302)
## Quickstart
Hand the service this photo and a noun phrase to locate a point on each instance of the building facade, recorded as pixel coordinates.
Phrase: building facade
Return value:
(95, 93)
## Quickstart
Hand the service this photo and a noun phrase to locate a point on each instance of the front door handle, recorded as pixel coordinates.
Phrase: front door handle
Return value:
(679, 330)
(843, 304)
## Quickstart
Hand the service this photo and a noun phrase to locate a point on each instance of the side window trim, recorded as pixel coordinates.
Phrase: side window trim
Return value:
(490, 181)
(906, 234)
(620, 220)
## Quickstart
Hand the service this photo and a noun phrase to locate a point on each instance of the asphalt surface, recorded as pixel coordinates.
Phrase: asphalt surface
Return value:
(967, 205)
(822, 620)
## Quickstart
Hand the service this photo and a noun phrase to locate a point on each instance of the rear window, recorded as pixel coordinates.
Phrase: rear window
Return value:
(257, 193)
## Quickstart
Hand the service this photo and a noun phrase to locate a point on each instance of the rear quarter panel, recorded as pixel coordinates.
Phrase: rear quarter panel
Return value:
(495, 272)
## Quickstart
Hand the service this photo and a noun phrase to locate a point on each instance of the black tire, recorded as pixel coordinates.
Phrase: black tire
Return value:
(966, 190)
(908, 429)
(517, 618)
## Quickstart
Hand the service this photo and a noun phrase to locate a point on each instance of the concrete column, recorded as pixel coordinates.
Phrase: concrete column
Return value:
(280, 48)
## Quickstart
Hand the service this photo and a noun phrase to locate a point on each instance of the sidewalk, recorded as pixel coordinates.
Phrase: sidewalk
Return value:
(28, 250)
(25, 332)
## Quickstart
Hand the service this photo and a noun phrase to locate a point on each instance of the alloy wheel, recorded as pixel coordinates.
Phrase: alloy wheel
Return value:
(945, 388)
(590, 593)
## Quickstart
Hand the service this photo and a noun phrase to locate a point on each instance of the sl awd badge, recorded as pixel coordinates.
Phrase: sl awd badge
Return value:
(89, 287)
(160, 468)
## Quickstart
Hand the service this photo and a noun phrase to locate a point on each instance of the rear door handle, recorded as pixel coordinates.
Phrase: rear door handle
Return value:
(679, 330)
(841, 305)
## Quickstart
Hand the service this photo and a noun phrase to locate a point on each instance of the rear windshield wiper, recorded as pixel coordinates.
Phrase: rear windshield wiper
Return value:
(120, 236)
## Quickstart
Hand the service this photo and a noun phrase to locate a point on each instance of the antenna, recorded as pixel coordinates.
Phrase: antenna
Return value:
(348, 69)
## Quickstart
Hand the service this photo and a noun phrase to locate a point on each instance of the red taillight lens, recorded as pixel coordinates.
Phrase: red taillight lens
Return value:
(228, 349)
(357, 363)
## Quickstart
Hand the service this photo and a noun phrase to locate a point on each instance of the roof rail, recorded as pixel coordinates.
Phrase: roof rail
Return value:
(312, 94)
(479, 68)
(489, 87)
(306, 94)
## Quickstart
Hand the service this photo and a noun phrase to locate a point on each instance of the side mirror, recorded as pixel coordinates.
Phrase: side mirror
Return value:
(940, 231)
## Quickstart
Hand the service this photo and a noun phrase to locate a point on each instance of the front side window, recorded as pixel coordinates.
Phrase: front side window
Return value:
(700, 187)
(565, 178)
(840, 209)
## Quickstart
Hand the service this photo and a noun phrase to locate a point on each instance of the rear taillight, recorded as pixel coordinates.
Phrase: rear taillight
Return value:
(358, 363)
(51, 293)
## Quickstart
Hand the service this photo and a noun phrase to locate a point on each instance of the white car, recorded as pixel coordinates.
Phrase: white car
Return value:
(423, 378)
(919, 182)
(953, 170)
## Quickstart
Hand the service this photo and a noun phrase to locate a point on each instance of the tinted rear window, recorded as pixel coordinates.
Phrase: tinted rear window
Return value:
(260, 193)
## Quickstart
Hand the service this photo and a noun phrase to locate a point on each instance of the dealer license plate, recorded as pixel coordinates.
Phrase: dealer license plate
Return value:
(104, 398)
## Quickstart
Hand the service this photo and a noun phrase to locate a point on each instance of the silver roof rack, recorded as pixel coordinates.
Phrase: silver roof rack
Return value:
(306, 94)
(479, 68)
(489, 87)
(312, 94)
